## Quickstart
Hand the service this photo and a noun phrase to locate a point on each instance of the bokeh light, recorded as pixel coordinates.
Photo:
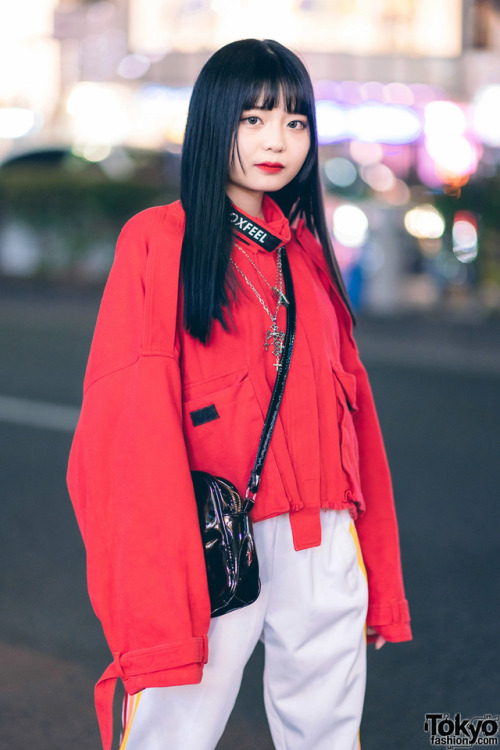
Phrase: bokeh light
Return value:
(398, 93)
(100, 112)
(161, 114)
(453, 157)
(454, 154)
(368, 122)
(443, 117)
(424, 222)
(331, 121)
(486, 114)
(383, 123)
(94, 152)
(350, 225)
(379, 177)
(464, 233)
(340, 172)
(366, 153)
(398, 195)
(17, 122)
(133, 66)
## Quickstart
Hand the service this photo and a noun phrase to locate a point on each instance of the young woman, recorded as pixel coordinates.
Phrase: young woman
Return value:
(183, 362)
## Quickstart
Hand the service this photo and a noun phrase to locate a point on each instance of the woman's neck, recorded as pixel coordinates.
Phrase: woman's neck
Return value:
(249, 202)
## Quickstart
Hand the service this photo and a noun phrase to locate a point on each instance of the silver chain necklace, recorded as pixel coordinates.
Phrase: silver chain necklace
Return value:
(274, 334)
(278, 289)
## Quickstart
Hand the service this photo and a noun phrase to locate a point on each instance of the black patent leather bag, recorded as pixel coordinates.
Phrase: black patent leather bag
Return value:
(224, 516)
(228, 543)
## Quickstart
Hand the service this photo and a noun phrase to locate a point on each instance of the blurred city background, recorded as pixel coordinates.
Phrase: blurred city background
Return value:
(93, 102)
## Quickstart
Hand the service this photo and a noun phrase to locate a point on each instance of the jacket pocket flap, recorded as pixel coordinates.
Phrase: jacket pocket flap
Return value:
(348, 383)
(208, 387)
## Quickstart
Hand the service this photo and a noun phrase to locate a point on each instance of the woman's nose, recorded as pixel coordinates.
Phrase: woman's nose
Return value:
(273, 138)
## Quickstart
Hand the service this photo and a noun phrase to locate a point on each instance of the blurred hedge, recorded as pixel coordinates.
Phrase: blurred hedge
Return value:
(73, 218)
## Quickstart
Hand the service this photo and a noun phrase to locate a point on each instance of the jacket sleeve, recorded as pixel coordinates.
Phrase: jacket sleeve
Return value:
(377, 527)
(130, 484)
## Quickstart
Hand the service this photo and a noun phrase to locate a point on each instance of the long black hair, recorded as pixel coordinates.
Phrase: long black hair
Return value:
(234, 79)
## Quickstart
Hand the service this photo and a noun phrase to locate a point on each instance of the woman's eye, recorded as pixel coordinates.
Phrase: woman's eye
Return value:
(297, 124)
(252, 120)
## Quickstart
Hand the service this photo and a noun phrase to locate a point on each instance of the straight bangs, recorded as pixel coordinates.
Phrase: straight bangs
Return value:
(272, 91)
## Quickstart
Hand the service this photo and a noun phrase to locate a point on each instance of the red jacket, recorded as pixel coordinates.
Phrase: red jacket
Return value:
(136, 442)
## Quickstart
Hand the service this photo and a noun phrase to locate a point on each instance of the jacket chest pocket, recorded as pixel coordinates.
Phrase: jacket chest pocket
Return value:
(222, 425)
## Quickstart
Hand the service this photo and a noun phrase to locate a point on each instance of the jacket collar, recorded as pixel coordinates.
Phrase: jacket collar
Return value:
(261, 234)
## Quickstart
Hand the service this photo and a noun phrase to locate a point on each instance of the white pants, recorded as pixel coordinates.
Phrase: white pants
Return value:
(310, 616)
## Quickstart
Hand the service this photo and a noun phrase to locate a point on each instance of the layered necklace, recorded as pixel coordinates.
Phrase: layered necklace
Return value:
(274, 335)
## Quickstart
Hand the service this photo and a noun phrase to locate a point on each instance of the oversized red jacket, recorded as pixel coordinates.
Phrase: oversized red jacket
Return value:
(137, 440)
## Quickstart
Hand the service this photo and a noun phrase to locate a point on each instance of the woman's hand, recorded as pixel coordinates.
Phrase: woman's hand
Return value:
(379, 641)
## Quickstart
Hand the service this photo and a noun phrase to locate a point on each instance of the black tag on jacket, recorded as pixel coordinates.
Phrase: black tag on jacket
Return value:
(202, 416)
(251, 229)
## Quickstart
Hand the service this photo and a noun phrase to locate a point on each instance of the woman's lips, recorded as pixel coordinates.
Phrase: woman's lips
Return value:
(271, 167)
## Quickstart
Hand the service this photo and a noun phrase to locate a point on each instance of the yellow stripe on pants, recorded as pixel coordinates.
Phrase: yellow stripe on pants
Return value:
(354, 535)
(135, 699)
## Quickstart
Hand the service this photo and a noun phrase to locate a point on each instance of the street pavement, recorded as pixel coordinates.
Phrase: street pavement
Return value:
(436, 380)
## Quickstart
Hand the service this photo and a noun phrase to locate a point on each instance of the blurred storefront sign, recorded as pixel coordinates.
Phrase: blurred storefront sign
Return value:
(424, 28)
(30, 65)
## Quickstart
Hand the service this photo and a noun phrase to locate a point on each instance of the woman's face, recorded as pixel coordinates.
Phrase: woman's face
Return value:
(273, 146)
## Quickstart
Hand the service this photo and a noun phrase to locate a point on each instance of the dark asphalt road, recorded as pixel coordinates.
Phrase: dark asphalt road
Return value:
(437, 387)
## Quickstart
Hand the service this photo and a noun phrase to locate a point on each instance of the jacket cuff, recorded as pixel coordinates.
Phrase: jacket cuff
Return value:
(170, 657)
(178, 663)
(391, 620)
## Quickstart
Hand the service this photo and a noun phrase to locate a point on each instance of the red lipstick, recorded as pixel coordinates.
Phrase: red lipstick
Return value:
(272, 167)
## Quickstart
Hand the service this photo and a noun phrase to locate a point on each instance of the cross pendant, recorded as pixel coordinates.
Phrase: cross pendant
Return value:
(274, 335)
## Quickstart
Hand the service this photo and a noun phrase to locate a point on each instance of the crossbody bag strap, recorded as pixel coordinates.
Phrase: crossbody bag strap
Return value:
(279, 385)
